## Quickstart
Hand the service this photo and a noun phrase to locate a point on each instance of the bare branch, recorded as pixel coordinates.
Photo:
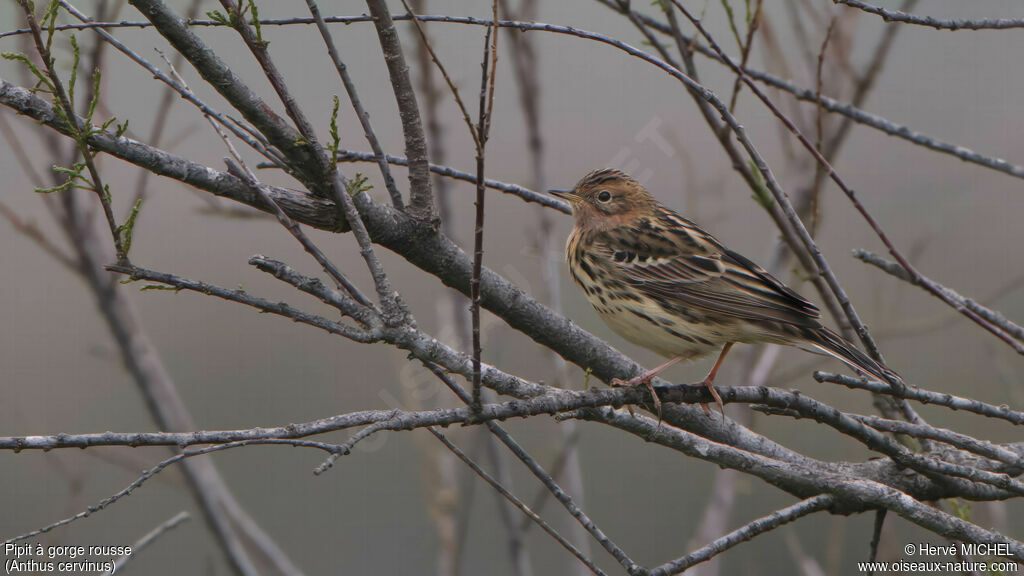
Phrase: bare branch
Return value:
(303, 160)
(64, 106)
(994, 322)
(357, 105)
(421, 199)
(986, 449)
(444, 73)
(516, 502)
(747, 532)
(937, 23)
(483, 128)
(876, 534)
(552, 486)
(850, 111)
(864, 492)
(808, 95)
(269, 152)
(525, 194)
(148, 539)
(244, 568)
(240, 296)
(258, 47)
(926, 397)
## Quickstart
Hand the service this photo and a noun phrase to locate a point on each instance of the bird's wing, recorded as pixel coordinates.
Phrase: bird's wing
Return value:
(674, 261)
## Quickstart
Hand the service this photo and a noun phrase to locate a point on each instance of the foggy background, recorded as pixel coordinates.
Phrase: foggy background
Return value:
(60, 372)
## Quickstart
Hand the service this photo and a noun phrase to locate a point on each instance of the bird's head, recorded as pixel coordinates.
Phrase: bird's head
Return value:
(606, 197)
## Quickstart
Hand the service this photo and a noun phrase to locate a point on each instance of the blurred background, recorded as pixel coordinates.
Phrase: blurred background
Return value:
(378, 509)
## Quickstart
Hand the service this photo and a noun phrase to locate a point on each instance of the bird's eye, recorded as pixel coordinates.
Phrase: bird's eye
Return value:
(604, 195)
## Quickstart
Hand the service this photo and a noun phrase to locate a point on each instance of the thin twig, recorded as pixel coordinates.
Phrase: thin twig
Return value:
(525, 194)
(747, 532)
(444, 73)
(421, 198)
(994, 322)
(515, 501)
(163, 113)
(819, 123)
(876, 535)
(357, 105)
(488, 76)
(962, 441)
(239, 171)
(153, 472)
(63, 100)
(808, 95)
(745, 47)
(549, 482)
(937, 23)
(273, 155)
(1002, 412)
(847, 110)
(258, 47)
(148, 539)
(242, 297)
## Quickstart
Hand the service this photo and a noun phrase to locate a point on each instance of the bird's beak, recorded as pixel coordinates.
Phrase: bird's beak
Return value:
(567, 195)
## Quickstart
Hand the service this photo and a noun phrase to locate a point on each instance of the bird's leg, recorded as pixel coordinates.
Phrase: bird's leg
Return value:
(710, 379)
(645, 379)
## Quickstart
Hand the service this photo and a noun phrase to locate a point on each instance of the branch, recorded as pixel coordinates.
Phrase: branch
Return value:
(423, 247)
(65, 107)
(926, 397)
(258, 47)
(937, 23)
(483, 130)
(357, 105)
(834, 106)
(549, 482)
(246, 568)
(747, 532)
(804, 94)
(994, 322)
(525, 194)
(516, 502)
(421, 199)
(262, 147)
(986, 449)
(242, 297)
(304, 162)
(148, 539)
(861, 494)
(307, 244)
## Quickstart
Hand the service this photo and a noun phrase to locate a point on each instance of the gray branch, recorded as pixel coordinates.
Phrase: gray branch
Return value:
(1005, 329)
(937, 23)
(421, 199)
(752, 529)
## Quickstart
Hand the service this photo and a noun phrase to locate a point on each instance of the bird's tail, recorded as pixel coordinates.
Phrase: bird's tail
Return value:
(833, 344)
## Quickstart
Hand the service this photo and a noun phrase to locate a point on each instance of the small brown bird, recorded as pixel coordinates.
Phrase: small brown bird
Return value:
(660, 281)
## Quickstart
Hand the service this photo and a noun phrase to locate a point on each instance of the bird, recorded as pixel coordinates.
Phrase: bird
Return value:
(664, 283)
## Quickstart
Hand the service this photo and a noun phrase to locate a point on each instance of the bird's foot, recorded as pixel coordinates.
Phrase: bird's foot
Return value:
(642, 380)
(708, 383)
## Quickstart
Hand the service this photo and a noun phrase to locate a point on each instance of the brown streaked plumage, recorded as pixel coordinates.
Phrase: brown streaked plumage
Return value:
(660, 281)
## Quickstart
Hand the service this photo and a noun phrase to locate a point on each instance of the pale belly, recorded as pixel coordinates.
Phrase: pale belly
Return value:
(647, 325)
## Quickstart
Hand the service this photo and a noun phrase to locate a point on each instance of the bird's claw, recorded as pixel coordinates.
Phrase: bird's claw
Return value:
(641, 380)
